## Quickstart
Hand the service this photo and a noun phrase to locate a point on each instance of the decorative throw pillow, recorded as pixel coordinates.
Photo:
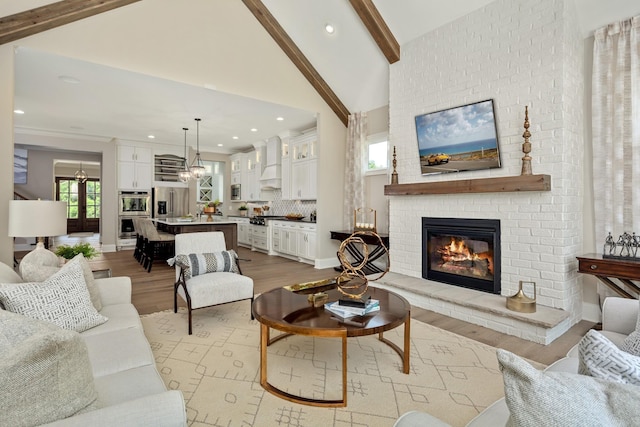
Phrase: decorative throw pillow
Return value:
(44, 371)
(631, 343)
(600, 358)
(197, 264)
(62, 299)
(94, 292)
(537, 398)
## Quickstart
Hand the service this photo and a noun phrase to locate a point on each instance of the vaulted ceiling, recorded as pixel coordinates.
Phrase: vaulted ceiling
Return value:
(349, 68)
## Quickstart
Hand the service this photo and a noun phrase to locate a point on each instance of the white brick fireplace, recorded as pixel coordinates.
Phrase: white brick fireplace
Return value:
(517, 53)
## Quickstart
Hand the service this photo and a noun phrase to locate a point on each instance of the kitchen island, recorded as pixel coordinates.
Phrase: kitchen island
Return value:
(180, 226)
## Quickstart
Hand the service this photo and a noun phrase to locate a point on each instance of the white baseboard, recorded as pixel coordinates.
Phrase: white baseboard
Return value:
(108, 248)
(326, 262)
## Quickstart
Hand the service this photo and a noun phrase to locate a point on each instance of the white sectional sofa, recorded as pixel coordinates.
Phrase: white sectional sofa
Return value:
(130, 391)
(619, 317)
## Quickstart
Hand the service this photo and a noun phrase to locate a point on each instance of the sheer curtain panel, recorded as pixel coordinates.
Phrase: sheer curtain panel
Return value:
(616, 128)
(354, 168)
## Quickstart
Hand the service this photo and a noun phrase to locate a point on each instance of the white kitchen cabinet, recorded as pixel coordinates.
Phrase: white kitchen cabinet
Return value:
(244, 232)
(294, 240)
(255, 166)
(307, 243)
(239, 173)
(260, 238)
(134, 168)
(304, 180)
(304, 167)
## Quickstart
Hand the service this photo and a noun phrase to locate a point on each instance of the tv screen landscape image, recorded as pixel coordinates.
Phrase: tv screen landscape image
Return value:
(458, 139)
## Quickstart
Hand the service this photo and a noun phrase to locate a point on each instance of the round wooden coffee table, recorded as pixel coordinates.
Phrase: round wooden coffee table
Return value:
(292, 313)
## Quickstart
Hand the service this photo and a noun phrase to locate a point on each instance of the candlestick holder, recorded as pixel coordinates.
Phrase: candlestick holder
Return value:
(364, 219)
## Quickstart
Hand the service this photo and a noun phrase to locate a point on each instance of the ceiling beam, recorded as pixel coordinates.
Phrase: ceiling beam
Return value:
(283, 40)
(34, 21)
(378, 29)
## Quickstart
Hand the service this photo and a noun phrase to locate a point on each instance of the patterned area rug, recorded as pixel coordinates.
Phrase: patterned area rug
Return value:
(217, 369)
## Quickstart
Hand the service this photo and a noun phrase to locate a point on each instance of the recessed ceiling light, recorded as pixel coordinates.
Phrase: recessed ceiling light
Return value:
(329, 28)
(69, 79)
(220, 145)
(18, 111)
(254, 130)
(234, 137)
(151, 136)
(279, 119)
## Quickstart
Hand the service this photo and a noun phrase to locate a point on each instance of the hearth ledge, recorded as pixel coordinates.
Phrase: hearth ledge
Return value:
(546, 323)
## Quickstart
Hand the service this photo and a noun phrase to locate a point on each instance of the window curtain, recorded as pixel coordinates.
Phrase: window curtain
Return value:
(616, 129)
(354, 169)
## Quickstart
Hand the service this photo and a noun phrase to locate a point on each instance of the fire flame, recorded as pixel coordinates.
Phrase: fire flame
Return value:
(458, 251)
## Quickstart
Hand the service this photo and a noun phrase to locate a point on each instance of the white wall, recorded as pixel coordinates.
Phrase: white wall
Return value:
(517, 53)
(217, 43)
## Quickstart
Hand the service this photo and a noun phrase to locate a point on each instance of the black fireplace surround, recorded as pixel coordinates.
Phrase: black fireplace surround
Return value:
(462, 252)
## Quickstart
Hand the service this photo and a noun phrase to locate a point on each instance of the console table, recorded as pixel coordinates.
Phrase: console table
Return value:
(617, 274)
(377, 252)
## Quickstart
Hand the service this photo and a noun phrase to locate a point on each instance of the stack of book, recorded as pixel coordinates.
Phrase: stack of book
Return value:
(345, 311)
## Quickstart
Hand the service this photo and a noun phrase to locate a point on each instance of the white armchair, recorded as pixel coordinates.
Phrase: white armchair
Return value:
(210, 288)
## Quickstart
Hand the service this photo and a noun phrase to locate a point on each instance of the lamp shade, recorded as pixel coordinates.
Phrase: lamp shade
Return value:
(37, 218)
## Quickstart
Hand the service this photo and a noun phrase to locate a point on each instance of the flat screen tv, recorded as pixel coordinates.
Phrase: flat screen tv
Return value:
(458, 139)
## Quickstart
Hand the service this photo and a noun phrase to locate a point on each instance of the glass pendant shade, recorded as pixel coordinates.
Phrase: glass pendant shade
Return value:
(197, 169)
(185, 174)
(80, 175)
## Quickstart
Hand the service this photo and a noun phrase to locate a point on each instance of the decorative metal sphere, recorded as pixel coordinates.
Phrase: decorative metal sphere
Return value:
(353, 281)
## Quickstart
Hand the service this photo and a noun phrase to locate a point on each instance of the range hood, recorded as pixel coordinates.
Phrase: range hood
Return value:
(271, 178)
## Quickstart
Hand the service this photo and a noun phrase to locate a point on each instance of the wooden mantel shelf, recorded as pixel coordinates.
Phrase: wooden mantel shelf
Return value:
(481, 185)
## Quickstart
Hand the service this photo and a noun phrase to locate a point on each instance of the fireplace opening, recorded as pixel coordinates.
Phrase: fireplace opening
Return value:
(462, 252)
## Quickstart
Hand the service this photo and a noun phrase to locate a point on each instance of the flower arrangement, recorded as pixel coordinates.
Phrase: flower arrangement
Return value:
(69, 252)
(243, 207)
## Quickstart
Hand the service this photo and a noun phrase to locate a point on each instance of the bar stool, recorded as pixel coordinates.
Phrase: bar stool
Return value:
(158, 244)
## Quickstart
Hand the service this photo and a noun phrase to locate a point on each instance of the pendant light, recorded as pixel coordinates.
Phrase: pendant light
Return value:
(80, 175)
(197, 169)
(185, 174)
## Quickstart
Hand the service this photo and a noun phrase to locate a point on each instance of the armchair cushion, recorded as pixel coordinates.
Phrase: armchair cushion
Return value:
(600, 358)
(537, 398)
(63, 299)
(631, 344)
(197, 264)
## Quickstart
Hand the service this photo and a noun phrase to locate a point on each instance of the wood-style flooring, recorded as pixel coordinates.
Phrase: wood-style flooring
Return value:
(154, 292)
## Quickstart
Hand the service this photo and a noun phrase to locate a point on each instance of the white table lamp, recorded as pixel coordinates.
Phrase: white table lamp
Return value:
(40, 219)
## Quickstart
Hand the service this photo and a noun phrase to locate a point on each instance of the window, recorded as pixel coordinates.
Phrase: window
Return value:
(377, 153)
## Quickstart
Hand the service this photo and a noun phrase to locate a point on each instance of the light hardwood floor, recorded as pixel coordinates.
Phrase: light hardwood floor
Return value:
(154, 292)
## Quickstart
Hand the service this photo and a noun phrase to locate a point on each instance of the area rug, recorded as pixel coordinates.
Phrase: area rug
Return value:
(217, 370)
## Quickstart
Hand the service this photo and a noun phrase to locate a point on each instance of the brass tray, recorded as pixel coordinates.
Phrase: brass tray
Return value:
(311, 287)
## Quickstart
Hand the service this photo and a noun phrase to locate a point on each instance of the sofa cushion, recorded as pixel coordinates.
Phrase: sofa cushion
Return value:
(128, 385)
(600, 358)
(631, 344)
(40, 273)
(197, 264)
(121, 316)
(8, 274)
(537, 398)
(45, 374)
(62, 299)
(118, 351)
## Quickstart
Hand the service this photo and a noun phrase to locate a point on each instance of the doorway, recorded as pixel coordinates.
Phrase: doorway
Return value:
(83, 203)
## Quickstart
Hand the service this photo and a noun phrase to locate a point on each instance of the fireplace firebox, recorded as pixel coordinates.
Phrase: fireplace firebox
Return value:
(462, 252)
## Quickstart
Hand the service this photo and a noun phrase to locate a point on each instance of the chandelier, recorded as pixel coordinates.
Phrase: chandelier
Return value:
(185, 174)
(80, 175)
(197, 169)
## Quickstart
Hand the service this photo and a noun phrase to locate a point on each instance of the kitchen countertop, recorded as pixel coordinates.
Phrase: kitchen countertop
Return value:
(203, 220)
